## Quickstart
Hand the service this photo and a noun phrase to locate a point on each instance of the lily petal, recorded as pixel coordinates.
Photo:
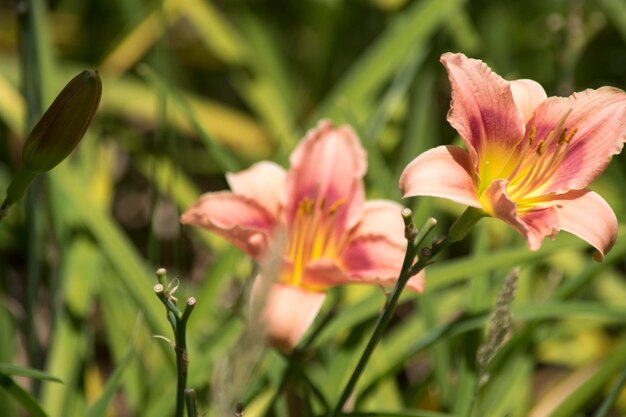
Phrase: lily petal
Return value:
(534, 225)
(444, 172)
(598, 118)
(372, 260)
(328, 166)
(287, 311)
(588, 216)
(242, 221)
(263, 182)
(528, 94)
(382, 217)
(483, 110)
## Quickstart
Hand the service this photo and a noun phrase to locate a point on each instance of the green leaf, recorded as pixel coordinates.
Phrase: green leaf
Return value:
(22, 396)
(13, 370)
(408, 34)
(100, 407)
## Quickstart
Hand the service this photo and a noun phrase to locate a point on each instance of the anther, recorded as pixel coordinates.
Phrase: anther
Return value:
(563, 137)
(333, 208)
(570, 135)
(540, 147)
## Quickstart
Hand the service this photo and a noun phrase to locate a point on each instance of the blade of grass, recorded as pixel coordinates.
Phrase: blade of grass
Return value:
(408, 32)
(129, 99)
(477, 296)
(221, 156)
(100, 407)
(36, 65)
(572, 395)
(270, 90)
(11, 106)
(453, 271)
(379, 172)
(465, 35)
(215, 31)
(394, 95)
(12, 370)
(114, 244)
(610, 399)
(182, 191)
(403, 346)
(507, 392)
(422, 131)
(134, 44)
(22, 396)
(68, 350)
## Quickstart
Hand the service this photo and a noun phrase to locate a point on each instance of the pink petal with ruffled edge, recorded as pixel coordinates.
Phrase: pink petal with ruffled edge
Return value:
(382, 217)
(287, 311)
(263, 182)
(600, 119)
(444, 171)
(528, 94)
(242, 221)
(373, 260)
(483, 110)
(534, 225)
(328, 165)
(588, 216)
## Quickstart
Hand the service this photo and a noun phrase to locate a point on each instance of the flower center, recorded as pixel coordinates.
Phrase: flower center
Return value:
(533, 164)
(314, 234)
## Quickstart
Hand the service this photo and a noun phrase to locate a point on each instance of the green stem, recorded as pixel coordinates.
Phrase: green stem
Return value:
(30, 15)
(464, 224)
(178, 321)
(192, 403)
(457, 231)
(18, 186)
(608, 402)
(182, 360)
(388, 310)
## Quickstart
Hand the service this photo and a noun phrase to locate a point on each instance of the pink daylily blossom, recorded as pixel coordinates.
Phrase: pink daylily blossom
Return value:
(528, 157)
(333, 236)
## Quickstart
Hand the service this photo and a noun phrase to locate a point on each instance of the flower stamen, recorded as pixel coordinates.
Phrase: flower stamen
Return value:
(543, 162)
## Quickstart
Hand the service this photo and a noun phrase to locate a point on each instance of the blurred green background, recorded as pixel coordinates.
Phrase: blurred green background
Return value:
(195, 88)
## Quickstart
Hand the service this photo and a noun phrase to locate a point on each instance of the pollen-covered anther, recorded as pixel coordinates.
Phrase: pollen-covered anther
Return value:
(540, 147)
(335, 206)
(566, 136)
(306, 207)
(531, 135)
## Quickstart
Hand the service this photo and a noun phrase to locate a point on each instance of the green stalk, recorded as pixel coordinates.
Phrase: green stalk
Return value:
(29, 16)
(178, 321)
(192, 403)
(457, 231)
(390, 306)
(608, 402)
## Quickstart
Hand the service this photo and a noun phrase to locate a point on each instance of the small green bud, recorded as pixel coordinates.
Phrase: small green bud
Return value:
(63, 125)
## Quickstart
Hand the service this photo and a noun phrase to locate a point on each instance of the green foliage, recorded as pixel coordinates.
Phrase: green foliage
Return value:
(193, 89)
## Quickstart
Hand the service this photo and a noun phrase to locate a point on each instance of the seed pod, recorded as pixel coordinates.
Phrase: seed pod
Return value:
(63, 125)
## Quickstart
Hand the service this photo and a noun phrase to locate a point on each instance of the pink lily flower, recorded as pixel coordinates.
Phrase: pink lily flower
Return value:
(332, 235)
(528, 157)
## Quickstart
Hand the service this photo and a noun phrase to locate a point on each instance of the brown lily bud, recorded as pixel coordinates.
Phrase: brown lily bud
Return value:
(57, 133)
(63, 125)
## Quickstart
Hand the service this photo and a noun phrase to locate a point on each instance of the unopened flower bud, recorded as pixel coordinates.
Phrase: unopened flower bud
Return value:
(64, 123)
(57, 133)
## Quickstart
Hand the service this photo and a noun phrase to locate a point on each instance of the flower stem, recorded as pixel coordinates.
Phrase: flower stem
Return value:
(178, 321)
(415, 238)
(192, 403)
